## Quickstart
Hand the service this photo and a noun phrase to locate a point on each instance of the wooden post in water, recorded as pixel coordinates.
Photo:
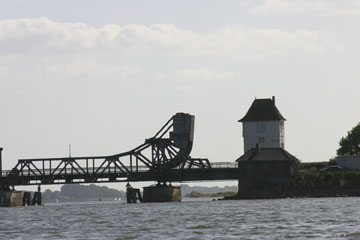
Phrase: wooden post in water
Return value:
(37, 197)
(1, 162)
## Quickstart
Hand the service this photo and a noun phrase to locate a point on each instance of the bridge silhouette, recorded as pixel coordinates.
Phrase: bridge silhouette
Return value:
(163, 158)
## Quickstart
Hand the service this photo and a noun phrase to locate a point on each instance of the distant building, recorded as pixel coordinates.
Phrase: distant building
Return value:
(348, 162)
(263, 124)
(265, 159)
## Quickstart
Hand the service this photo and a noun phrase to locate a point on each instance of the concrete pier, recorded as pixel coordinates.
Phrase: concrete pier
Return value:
(133, 195)
(11, 198)
(162, 193)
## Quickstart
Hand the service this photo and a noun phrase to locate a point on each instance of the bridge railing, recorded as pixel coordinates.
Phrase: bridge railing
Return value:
(71, 171)
(27, 172)
(93, 174)
(224, 164)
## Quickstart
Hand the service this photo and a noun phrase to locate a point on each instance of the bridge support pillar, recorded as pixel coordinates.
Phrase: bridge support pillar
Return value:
(37, 199)
(10, 198)
(26, 199)
(162, 193)
(133, 194)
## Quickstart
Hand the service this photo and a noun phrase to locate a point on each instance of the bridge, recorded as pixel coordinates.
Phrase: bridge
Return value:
(165, 157)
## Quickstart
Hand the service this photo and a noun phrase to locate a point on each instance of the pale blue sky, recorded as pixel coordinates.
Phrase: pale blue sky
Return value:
(104, 76)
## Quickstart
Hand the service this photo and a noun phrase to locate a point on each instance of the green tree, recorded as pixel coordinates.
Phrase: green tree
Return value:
(350, 145)
(332, 161)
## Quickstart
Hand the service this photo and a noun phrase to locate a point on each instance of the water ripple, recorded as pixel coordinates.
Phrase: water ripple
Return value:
(248, 219)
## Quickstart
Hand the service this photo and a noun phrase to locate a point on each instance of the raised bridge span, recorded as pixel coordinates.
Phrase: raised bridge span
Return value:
(165, 157)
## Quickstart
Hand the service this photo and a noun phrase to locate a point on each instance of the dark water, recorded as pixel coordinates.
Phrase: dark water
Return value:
(254, 219)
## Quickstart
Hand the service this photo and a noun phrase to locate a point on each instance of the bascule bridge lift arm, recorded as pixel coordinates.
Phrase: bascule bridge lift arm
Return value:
(169, 148)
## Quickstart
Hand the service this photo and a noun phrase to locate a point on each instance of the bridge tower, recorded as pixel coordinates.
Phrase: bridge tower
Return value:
(263, 125)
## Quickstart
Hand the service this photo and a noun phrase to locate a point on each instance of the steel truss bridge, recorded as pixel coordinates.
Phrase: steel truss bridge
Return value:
(163, 158)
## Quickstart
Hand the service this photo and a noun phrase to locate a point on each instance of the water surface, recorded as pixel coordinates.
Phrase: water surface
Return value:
(315, 218)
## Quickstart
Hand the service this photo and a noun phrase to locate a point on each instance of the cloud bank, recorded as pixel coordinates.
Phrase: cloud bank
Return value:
(47, 48)
(317, 7)
(44, 36)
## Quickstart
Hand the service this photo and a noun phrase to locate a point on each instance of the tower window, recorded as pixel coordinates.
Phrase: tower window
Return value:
(260, 127)
(261, 139)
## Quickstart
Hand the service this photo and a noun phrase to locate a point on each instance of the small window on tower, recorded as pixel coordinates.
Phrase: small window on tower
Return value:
(261, 139)
(261, 127)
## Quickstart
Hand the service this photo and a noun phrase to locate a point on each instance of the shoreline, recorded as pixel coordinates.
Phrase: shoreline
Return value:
(297, 194)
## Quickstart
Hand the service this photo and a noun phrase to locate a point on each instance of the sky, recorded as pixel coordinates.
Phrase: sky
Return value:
(105, 75)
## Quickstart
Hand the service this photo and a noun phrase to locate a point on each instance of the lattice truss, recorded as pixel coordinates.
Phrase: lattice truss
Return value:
(169, 148)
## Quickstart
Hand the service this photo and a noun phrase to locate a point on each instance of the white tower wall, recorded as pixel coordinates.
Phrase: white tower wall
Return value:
(268, 134)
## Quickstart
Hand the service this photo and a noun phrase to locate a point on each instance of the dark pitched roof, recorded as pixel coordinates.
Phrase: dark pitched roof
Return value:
(267, 154)
(263, 110)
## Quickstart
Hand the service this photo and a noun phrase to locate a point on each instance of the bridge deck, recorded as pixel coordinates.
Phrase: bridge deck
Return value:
(165, 157)
(46, 176)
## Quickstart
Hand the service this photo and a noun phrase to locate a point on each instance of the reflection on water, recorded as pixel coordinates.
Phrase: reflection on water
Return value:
(198, 219)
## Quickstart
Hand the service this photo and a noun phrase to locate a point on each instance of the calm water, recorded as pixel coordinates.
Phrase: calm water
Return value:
(256, 219)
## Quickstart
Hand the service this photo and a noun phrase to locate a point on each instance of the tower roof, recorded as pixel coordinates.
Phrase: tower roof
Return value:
(267, 155)
(263, 110)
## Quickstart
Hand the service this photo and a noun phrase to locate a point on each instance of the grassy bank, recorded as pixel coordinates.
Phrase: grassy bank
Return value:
(309, 184)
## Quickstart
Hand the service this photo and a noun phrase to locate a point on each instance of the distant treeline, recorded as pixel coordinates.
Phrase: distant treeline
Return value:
(186, 189)
(195, 194)
(76, 192)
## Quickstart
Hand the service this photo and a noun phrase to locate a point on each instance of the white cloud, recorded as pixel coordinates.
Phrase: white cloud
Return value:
(49, 51)
(43, 37)
(203, 73)
(317, 7)
(53, 54)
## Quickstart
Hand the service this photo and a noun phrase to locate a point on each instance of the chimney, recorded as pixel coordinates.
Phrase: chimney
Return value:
(257, 149)
(273, 99)
(1, 162)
